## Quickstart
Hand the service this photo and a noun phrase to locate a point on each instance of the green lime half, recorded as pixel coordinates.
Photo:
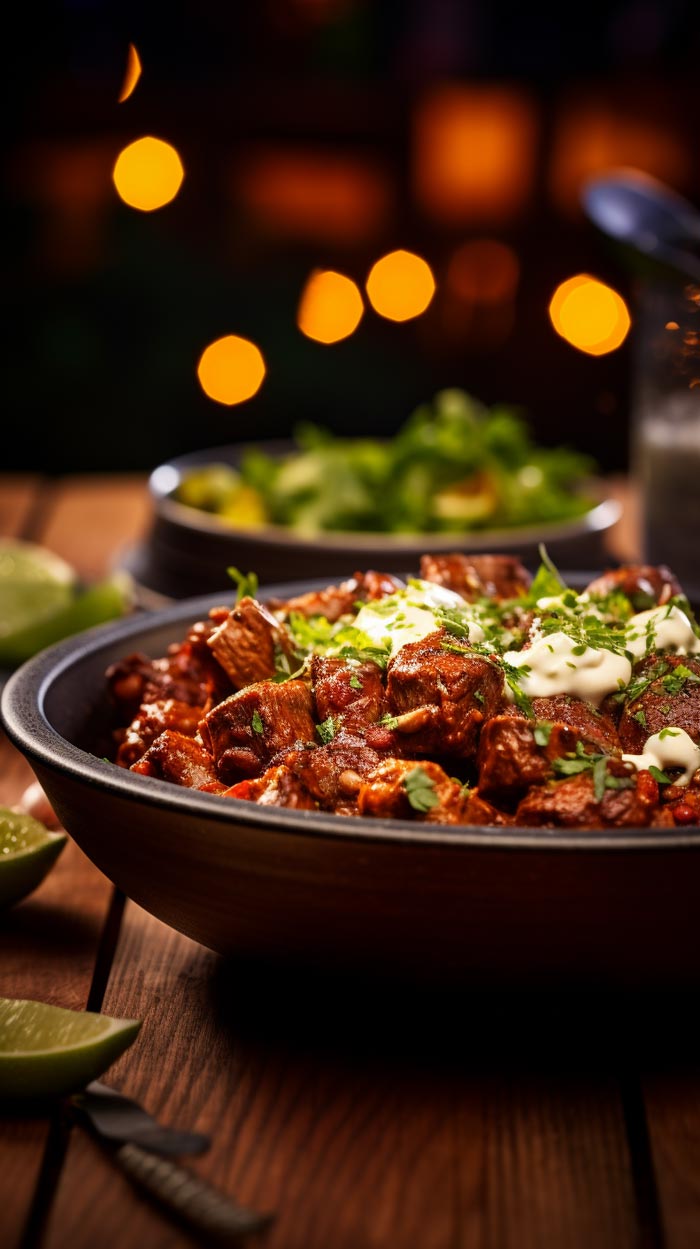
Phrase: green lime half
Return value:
(34, 584)
(101, 602)
(46, 1051)
(27, 852)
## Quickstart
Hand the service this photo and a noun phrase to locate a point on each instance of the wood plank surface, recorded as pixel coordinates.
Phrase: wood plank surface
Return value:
(360, 1115)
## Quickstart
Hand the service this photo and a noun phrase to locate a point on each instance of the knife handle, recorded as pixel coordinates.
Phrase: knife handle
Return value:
(187, 1198)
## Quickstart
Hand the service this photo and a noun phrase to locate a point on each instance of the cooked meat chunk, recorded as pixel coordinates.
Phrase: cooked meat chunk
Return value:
(644, 585)
(591, 725)
(247, 729)
(187, 674)
(153, 719)
(353, 693)
(174, 757)
(333, 774)
(399, 788)
(572, 803)
(277, 787)
(449, 694)
(672, 698)
(510, 759)
(339, 600)
(472, 576)
(247, 642)
(478, 810)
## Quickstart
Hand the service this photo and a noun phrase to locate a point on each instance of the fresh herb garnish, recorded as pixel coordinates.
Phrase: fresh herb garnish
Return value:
(674, 681)
(479, 697)
(256, 723)
(388, 721)
(420, 790)
(640, 717)
(326, 730)
(355, 682)
(668, 733)
(662, 777)
(246, 583)
(543, 732)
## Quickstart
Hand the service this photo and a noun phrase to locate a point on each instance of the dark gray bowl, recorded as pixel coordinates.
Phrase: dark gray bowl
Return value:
(187, 551)
(478, 904)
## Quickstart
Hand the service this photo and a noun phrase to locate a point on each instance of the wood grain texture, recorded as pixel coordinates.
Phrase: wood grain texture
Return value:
(93, 519)
(361, 1115)
(18, 494)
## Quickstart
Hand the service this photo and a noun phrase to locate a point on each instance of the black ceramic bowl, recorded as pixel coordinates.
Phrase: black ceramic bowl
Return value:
(187, 551)
(480, 904)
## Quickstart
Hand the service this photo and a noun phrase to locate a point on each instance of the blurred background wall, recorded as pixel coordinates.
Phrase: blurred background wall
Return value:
(321, 135)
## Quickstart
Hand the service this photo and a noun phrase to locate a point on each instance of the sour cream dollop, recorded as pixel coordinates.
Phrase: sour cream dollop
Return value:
(667, 628)
(671, 748)
(555, 667)
(409, 615)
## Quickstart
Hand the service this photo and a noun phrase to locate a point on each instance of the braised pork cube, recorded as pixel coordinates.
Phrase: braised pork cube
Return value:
(630, 800)
(350, 692)
(670, 699)
(177, 758)
(478, 810)
(339, 600)
(333, 774)
(247, 729)
(248, 642)
(515, 754)
(644, 584)
(591, 725)
(474, 576)
(153, 719)
(277, 787)
(448, 693)
(403, 789)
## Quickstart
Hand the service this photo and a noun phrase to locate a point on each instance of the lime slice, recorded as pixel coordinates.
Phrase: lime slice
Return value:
(46, 1051)
(101, 602)
(27, 852)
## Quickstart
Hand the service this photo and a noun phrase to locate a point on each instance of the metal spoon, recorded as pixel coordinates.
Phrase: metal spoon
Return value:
(646, 216)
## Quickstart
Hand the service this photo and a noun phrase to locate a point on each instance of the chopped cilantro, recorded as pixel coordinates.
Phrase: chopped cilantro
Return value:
(256, 722)
(479, 697)
(640, 717)
(662, 777)
(543, 732)
(355, 682)
(246, 583)
(668, 733)
(326, 730)
(420, 790)
(388, 721)
(674, 681)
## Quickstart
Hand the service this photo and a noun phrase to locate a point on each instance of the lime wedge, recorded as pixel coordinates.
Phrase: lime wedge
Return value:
(34, 584)
(46, 1051)
(27, 852)
(101, 602)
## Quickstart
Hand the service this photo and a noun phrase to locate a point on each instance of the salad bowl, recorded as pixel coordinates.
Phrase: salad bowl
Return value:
(393, 897)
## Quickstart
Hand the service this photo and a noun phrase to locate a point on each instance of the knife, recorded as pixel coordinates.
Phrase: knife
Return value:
(144, 1149)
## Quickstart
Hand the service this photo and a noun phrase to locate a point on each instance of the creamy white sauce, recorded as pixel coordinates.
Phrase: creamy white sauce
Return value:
(411, 618)
(672, 748)
(556, 669)
(668, 628)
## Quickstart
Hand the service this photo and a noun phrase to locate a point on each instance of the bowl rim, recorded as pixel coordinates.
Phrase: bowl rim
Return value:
(165, 478)
(23, 711)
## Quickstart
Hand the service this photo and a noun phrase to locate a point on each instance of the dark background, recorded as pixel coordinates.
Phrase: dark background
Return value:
(108, 309)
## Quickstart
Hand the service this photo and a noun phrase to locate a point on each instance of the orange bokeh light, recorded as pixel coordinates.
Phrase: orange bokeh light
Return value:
(474, 153)
(589, 315)
(132, 74)
(330, 308)
(148, 174)
(400, 286)
(231, 369)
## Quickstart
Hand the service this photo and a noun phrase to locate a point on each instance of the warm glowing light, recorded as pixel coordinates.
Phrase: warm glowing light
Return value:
(589, 315)
(474, 153)
(131, 74)
(148, 174)
(591, 138)
(310, 194)
(483, 271)
(231, 369)
(400, 286)
(330, 307)
(672, 325)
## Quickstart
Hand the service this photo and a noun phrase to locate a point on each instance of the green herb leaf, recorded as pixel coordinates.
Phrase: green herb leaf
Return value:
(662, 777)
(420, 790)
(326, 730)
(543, 732)
(247, 583)
(256, 722)
(355, 682)
(668, 733)
(640, 717)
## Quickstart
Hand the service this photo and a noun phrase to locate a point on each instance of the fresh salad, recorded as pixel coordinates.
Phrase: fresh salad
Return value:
(454, 465)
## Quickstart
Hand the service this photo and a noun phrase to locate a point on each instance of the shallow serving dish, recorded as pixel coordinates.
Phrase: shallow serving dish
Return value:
(473, 903)
(187, 551)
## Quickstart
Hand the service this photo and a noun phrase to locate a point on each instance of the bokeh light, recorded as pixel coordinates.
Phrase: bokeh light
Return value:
(148, 174)
(132, 74)
(231, 369)
(330, 308)
(400, 286)
(483, 271)
(589, 315)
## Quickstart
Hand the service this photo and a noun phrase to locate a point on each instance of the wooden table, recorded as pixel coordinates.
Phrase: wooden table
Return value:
(380, 1118)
